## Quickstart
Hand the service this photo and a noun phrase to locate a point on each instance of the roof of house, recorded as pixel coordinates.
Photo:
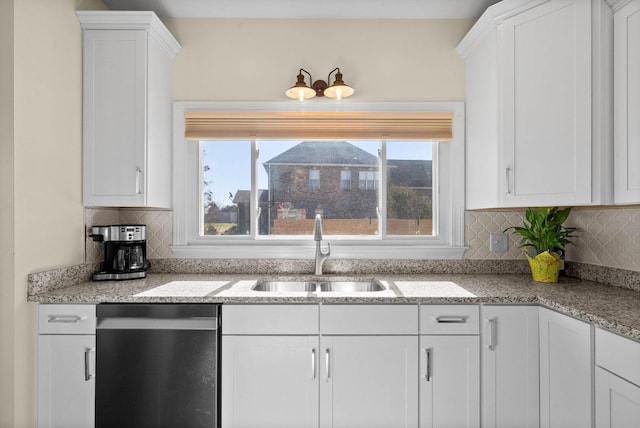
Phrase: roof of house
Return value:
(324, 153)
(244, 196)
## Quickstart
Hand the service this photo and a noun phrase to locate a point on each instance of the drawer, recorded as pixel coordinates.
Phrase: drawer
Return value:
(449, 319)
(618, 355)
(369, 319)
(269, 319)
(66, 319)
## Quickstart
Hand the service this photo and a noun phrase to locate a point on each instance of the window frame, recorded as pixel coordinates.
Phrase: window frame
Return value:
(449, 244)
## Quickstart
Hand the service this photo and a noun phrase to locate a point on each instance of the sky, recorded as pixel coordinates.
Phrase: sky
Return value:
(230, 162)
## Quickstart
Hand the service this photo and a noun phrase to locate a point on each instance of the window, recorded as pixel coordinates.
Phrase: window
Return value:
(314, 179)
(287, 205)
(345, 180)
(257, 197)
(368, 180)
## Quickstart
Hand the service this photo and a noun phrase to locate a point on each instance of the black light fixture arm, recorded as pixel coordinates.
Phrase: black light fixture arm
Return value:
(301, 77)
(331, 72)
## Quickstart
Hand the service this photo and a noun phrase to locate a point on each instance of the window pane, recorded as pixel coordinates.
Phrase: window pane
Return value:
(409, 188)
(301, 179)
(314, 179)
(226, 187)
(345, 180)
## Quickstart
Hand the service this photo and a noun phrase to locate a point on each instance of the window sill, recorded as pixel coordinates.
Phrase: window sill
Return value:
(305, 250)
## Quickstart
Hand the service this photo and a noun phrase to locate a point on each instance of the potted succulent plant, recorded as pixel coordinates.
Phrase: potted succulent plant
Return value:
(542, 237)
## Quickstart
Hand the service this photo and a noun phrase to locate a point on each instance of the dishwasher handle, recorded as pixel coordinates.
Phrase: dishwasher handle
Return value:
(200, 323)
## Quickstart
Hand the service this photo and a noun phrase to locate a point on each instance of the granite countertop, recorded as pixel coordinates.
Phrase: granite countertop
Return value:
(613, 308)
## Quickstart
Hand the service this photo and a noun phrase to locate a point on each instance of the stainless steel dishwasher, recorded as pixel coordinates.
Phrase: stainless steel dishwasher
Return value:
(157, 365)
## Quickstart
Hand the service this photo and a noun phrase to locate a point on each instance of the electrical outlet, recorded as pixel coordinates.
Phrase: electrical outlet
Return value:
(498, 243)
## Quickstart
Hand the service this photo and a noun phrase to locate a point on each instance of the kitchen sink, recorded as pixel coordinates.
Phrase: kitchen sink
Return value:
(339, 286)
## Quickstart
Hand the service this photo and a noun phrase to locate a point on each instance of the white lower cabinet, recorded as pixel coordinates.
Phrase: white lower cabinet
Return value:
(449, 381)
(369, 381)
(66, 364)
(565, 371)
(277, 373)
(270, 381)
(617, 381)
(617, 401)
(449, 366)
(510, 367)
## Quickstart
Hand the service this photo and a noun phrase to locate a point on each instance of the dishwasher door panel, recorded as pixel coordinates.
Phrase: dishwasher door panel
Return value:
(156, 378)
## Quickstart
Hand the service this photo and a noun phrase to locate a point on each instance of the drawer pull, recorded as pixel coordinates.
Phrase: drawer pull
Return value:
(452, 319)
(66, 318)
(313, 363)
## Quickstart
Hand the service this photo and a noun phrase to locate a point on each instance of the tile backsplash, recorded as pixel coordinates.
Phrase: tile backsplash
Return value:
(159, 230)
(608, 236)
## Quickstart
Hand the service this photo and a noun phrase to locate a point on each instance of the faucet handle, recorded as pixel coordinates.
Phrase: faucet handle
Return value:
(328, 253)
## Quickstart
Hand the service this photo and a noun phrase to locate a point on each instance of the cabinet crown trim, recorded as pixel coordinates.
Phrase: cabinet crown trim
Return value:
(130, 20)
(496, 14)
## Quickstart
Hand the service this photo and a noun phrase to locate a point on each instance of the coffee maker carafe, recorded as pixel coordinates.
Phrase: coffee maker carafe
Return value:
(125, 251)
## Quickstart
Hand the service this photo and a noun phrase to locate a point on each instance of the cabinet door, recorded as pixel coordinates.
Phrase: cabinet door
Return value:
(449, 381)
(617, 401)
(546, 109)
(627, 103)
(369, 382)
(66, 386)
(565, 371)
(114, 117)
(269, 381)
(510, 367)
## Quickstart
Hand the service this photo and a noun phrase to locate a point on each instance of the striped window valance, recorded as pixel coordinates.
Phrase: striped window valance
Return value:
(200, 125)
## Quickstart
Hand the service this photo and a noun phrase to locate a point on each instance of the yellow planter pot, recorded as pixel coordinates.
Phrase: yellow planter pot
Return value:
(545, 267)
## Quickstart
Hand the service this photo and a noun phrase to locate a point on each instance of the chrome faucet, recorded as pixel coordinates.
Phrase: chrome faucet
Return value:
(317, 236)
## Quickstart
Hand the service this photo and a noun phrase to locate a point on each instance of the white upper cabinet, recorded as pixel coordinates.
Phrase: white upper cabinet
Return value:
(627, 102)
(127, 104)
(539, 104)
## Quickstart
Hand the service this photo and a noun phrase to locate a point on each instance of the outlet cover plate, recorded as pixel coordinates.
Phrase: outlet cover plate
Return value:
(499, 243)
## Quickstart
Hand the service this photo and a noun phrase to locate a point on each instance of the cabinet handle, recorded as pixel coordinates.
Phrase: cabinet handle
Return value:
(87, 360)
(456, 319)
(313, 363)
(138, 179)
(427, 376)
(508, 173)
(493, 324)
(327, 361)
(65, 318)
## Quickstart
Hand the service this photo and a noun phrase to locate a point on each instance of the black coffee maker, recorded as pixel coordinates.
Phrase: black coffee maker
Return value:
(125, 251)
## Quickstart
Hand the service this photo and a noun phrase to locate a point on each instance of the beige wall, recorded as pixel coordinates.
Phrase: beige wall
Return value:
(257, 60)
(7, 322)
(46, 194)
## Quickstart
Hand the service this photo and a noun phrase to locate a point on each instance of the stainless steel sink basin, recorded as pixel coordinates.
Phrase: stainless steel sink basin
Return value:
(350, 286)
(285, 286)
(339, 286)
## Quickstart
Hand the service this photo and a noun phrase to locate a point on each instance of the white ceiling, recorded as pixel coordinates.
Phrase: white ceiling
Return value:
(354, 9)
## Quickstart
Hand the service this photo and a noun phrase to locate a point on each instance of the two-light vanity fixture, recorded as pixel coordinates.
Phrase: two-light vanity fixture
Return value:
(319, 88)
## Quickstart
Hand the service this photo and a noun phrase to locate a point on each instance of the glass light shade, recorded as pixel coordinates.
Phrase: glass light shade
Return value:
(300, 92)
(338, 91)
